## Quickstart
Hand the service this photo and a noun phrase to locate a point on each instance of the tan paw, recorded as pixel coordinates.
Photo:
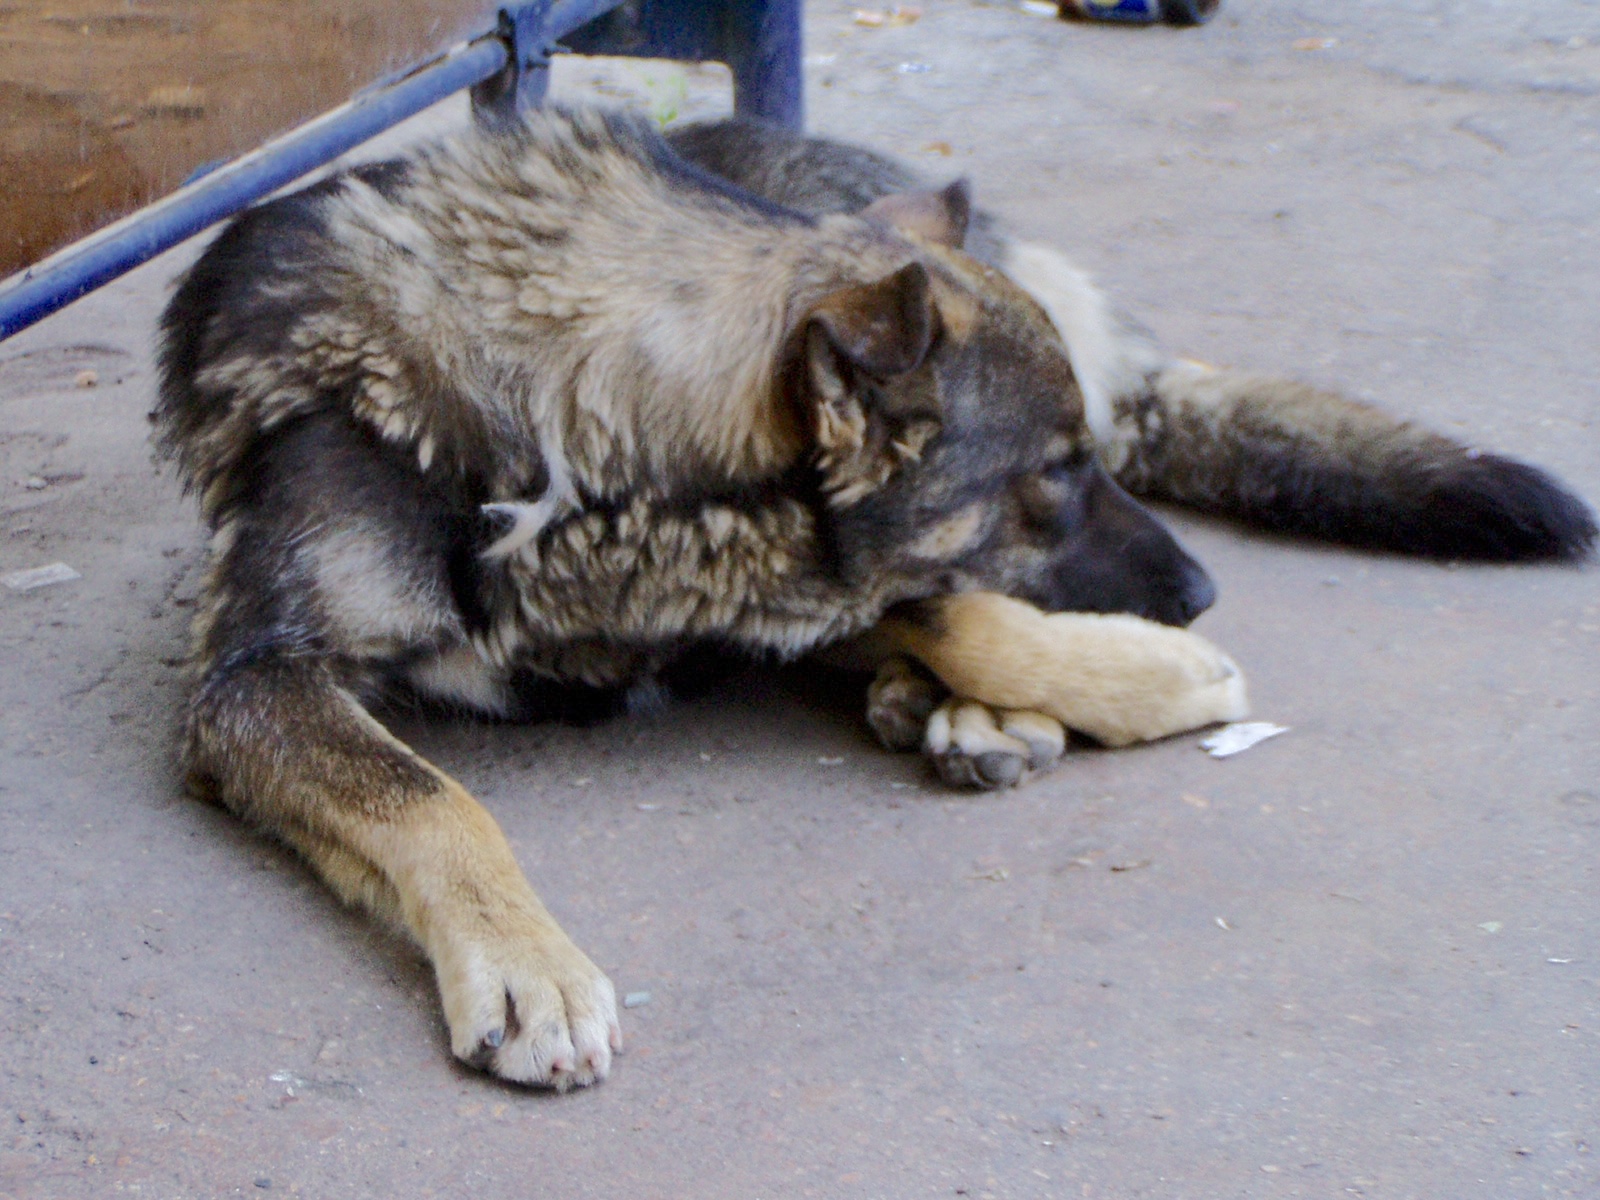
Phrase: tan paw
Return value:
(899, 703)
(973, 745)
(527, 1005)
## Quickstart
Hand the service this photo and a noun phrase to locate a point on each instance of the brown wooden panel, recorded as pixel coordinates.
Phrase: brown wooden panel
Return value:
(105, 104)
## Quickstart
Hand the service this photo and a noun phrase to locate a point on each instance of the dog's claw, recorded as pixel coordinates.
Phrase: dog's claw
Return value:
(999, 768)
(528, 1006)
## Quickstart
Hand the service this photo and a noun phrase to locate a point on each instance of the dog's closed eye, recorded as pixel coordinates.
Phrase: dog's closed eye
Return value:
(1051, 500)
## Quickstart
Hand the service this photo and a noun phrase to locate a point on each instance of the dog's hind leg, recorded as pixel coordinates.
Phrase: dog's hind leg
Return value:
(900, 700)
(1287, 456)
(276, 738)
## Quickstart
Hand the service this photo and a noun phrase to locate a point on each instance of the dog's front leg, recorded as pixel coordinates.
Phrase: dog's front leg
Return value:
(1020, 676)
(280, 742)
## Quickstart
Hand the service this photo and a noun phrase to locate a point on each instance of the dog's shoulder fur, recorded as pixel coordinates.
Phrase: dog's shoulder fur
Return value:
(480, 302)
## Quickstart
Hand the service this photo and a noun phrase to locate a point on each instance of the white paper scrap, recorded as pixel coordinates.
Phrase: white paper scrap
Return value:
(38, 577)
(1239, 737)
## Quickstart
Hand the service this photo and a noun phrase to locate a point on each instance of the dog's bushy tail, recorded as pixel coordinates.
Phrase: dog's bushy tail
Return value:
(1290, 457)
(1299, 460)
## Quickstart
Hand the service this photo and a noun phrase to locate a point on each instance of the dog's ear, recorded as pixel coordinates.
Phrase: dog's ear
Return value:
(882, 328)
(856, 341)
(940, 216)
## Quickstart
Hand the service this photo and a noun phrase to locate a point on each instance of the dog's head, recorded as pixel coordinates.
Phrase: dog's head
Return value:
(950, 438)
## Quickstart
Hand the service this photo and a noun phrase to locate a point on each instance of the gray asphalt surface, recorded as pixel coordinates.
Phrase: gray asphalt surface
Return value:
(1361, 959)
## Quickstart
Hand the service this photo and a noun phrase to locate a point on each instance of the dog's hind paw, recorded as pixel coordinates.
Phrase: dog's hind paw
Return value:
(528, 1006)
(972, 745)
(899, 703)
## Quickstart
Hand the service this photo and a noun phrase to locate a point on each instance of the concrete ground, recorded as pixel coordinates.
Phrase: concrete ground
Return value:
(1362, 959)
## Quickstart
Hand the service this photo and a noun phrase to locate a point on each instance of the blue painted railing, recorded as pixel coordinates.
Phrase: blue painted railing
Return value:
(508, 70)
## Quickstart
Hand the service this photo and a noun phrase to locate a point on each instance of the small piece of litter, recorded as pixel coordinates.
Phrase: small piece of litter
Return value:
(176, 100)
(38, 577)
(1194, 801)
(914, 68)
(36, 483)
(1130, 866)
(582, 781)
(1221, 924)
(943, 149)
(998, 875)
(86, 379)
(636, 1000)
(1239, 737)
(1558, 960)
(821, 60)
(1491, 926)
(829, 762)
(1038, 8)
(647, 807)
(899, 14)
(1315, 43)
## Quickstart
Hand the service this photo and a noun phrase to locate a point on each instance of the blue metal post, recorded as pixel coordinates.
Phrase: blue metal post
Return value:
(759, 39)
(762, 43)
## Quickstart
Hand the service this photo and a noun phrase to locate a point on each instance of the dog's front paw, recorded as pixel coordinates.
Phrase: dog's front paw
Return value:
(524, 1003)
(973, 745)
(1117, 678)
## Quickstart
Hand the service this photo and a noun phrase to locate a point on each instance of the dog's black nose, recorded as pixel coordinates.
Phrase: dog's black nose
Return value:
(1196, 592)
